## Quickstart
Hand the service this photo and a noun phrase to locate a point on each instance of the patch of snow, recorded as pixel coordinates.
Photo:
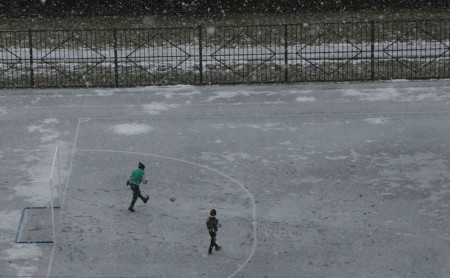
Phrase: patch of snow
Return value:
(377, 121)
(220, 157)
(222, 126)
(36, 100)
(296, 92)
(305, 99)
(38, 164)
(48, 135)
(296, 157)
(208, 156)
(285, 143)
(22, 252)
(9, 219)
(51, 121)
(36, 192)
(354, 155)
(399, 80)
(266, 126)
(104, 93)
(24, 271)
(179, 91)
(231, 157)
(131, 129)
(394, 94)
(374, 95)
(424, 172)
(339, 157)
(228, 95)
(155, 108)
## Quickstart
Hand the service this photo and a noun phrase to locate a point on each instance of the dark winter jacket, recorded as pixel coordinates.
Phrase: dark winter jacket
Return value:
(212, 223)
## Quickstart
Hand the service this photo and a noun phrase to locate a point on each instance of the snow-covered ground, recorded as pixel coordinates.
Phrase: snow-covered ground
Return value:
(309, 180)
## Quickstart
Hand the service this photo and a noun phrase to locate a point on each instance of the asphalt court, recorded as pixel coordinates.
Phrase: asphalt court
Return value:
(307, 180)
(175, 144)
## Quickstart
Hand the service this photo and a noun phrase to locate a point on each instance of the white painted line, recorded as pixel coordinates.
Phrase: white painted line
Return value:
(35, 150)
(277, 115)
(444, 237)
(140, 105)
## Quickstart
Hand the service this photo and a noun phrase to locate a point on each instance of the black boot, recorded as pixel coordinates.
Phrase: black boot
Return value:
(218, 247)
(210, 252)
(131, 209)
(146, 199)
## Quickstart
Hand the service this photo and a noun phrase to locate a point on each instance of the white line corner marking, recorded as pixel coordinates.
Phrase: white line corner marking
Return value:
(254, 222)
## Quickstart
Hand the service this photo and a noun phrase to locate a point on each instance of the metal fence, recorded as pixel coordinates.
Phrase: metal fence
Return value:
(353, 51)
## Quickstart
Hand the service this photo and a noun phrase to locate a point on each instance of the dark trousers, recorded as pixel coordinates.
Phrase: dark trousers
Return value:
(213, 240)
(136, 194)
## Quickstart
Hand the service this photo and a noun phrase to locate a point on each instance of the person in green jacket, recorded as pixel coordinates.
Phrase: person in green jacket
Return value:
(136, 177)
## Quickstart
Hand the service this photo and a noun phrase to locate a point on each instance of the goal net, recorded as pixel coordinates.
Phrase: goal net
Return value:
(38, 223)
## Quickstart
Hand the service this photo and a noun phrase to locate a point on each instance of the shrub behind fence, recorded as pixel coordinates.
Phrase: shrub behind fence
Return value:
(354, 51)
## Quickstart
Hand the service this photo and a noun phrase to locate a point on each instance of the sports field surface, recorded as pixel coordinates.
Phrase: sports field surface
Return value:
(308, 180)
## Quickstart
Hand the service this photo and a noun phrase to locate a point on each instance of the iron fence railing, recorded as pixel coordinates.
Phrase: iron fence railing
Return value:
(352, 51)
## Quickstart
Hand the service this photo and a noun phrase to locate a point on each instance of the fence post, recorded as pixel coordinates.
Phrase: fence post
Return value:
(30, 44)
(286, 71)
(200, 46)
(372, 50)
(116, 70)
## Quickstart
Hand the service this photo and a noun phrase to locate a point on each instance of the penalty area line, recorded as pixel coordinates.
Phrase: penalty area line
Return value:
(254, 222)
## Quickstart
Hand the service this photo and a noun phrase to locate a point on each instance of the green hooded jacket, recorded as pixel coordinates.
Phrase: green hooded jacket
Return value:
(137, 176)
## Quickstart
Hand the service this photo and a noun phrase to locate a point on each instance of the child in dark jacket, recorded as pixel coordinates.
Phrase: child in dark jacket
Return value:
(212, 223)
